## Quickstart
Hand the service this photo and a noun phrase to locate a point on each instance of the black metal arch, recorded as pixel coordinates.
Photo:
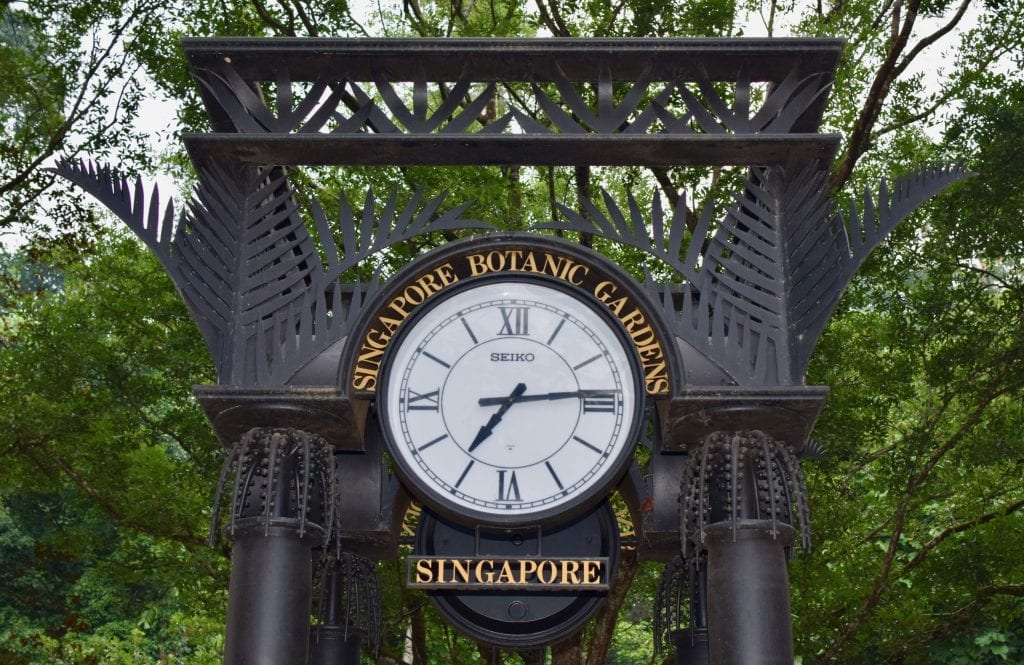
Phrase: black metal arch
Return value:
(755, 285)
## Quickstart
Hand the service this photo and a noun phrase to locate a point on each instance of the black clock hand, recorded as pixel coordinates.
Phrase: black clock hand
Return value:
(491, 401)
(506, 403)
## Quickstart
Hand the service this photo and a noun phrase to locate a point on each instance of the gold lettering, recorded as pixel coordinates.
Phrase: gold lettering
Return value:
(423, 573)
(390, 325)
(377, 340)
(413, 295)
(505, 576)
(657, 386)
(591, 572)
(495, 261)
(428, 284)
(477, 264)
(604, 291)
(551, 267)
(394, 304)
(649, 351)
(617, 305)
(446, 274)
(654, 372)
(527, 567)
(364, 379)
(552, 572)
(632, 320)
(638, 336)
(461, 569)
(371, 356)
(513, 259)
(570, 275)
(480, 577)
(570, 572)
(530, 263)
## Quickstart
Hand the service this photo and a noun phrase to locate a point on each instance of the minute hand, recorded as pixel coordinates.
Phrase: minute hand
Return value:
(491, 401)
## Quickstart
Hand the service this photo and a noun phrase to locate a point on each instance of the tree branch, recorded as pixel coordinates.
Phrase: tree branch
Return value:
(931, 39)
(996, 390)
(869, 113)
(190, 541)
(553, 20)
(78, 107)
(948, 532)
(953, 623)
(270, 21)
(608, 615)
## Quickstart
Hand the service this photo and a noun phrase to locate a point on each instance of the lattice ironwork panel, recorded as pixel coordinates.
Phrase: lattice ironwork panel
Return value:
(506, 101)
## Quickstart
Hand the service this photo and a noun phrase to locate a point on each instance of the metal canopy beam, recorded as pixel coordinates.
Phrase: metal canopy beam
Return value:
(517, 59)
(346, 86)
(557, 150)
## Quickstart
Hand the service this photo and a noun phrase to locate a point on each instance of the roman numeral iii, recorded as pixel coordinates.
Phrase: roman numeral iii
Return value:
(600, 403)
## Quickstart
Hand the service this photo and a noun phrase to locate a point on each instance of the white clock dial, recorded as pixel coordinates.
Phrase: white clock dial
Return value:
(510, 400)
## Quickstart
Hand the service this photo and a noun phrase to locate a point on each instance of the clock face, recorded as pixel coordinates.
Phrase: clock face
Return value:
(507, 401)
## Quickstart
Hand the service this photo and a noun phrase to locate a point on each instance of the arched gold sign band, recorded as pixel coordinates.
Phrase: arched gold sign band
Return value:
(515, 255)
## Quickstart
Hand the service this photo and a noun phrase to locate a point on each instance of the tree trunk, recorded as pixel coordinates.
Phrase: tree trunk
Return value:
(608, 615)
(569, 651)
(419, 636)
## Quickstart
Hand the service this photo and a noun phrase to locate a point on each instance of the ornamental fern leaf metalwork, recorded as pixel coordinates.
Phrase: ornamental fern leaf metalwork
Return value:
(781, 109)
(625, 116)
(419, 119)
(244, 255)
(377, 230)
(823, 274)
(248, 111)
(663, 241)
(776, 266)
(291, 339)
(127, 200)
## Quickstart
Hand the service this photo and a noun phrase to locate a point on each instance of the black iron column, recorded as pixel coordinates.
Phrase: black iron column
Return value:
(282, 506)
(742, 492)
(349, 611)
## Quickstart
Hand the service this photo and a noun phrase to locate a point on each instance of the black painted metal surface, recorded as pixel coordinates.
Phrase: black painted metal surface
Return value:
(521, 619)
(749, 620)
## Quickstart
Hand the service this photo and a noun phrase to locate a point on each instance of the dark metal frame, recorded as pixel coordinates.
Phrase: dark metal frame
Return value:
(270, 295)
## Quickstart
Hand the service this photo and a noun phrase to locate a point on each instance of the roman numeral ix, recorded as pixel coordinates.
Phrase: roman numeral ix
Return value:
(415, 401)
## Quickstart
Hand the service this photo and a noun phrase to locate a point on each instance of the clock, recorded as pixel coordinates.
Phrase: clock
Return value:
(511, 400)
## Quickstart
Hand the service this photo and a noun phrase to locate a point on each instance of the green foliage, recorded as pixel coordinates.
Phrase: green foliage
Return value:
(104, 492)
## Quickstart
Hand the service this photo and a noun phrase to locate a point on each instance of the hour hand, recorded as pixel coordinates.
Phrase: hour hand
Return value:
(491, 401)
(506, 403)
